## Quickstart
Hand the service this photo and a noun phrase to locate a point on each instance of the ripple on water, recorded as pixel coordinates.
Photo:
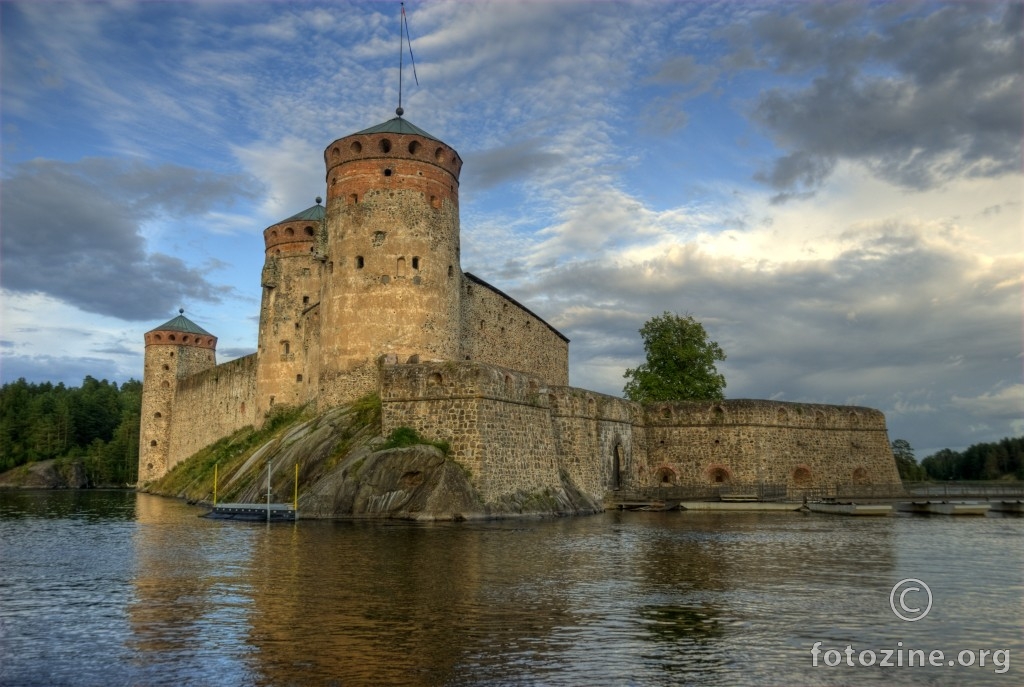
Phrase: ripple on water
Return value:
(141, 591)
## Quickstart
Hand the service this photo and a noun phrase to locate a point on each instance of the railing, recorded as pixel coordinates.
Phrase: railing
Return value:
(782, 492)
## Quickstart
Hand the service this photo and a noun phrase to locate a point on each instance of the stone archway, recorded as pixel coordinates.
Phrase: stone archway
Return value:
(618, 460)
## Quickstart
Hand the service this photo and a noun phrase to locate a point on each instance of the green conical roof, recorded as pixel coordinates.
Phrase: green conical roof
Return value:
(397, 125)
(315, 214)
(182, 324)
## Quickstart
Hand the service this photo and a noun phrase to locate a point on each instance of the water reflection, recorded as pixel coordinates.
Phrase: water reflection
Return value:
(142, 591)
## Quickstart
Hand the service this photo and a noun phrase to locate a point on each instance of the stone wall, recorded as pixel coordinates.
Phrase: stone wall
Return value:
(212, 404)
(745, 441)
(497, 330)
(599, 439)
(495, 421)
(515, 433)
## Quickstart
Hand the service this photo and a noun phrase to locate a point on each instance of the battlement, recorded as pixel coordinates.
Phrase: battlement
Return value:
(763, 413)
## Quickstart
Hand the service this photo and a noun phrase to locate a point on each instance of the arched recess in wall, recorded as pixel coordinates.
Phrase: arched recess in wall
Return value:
(802, 476)
(860, 476)
(718, 474)
(618, 464)
(665, 475)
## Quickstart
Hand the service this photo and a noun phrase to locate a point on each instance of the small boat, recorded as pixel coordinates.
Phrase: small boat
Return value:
(850, 508)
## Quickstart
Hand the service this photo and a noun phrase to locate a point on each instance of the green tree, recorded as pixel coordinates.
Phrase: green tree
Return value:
(680, 363)
(906, 464)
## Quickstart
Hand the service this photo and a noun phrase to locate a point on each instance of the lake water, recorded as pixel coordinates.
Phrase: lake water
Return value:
(118, 588)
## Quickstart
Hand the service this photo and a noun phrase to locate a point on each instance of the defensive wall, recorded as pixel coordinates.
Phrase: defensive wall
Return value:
(498, 330)
(512, 431)
(212, 404)
(770, 442)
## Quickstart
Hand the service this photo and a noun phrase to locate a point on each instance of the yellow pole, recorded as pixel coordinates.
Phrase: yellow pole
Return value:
(215, 485)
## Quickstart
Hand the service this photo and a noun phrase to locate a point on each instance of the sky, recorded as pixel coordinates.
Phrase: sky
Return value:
(833, 189)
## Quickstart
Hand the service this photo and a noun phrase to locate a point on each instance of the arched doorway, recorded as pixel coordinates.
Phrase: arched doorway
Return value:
(618, 458)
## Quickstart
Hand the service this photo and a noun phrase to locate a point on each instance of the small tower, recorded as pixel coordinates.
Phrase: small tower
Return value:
(174, 350)
(291, 291)
(393, 278)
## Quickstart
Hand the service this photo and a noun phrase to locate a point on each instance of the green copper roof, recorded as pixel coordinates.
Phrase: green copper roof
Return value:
(182, 324)
(314, 213)
(397, 125)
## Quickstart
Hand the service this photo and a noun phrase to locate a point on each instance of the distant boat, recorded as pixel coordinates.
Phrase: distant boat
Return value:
(851, 508)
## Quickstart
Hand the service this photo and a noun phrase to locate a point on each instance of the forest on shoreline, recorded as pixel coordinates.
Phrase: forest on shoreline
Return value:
(94, 428)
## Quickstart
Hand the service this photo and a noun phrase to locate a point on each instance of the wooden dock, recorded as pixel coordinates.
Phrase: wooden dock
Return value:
(254, 512)
(942, 508)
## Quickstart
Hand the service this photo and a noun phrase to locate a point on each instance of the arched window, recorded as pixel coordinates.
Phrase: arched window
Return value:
(415, 262)
(401, 267)
(359, 262)
(287, 347)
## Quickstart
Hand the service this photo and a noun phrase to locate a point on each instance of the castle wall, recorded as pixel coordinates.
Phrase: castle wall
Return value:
(495, 421)
(599, 439)
(497, 330)
(212, 404)
(748, 441)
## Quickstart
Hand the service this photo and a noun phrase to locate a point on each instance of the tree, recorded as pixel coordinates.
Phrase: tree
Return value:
(680, 363)
(906, 464)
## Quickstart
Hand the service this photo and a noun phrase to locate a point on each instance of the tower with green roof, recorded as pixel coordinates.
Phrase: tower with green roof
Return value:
(176, 349)
(392, 282)
(291, 281)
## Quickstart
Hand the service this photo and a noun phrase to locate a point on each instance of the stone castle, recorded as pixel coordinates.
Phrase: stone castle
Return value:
(366, 294)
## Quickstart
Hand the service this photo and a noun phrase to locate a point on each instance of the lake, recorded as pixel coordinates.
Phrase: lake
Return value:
(119, 588)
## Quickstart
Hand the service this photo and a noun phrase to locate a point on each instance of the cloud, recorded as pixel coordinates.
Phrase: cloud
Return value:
(489, 168)
(919, 98)
(1005, 402)
(292, 171)
(74, 231)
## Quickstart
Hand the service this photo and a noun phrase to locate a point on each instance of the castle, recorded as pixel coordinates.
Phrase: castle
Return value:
(366, 293)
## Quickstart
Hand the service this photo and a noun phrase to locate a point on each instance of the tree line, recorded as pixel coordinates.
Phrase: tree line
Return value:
(96, 424)
(986, 461)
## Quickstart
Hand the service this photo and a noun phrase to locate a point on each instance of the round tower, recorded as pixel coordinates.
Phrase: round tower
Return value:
(176, 349)
(291, 291)
(392, 275)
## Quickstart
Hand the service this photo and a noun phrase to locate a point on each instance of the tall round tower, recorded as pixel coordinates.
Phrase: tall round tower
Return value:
(291, 289)
(392, 279)
(176, 349)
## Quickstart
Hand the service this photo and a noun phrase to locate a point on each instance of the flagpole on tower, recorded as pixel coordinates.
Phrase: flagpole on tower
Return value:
(403, 39)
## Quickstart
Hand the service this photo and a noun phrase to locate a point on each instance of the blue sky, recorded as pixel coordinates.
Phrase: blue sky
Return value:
(833, 189)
